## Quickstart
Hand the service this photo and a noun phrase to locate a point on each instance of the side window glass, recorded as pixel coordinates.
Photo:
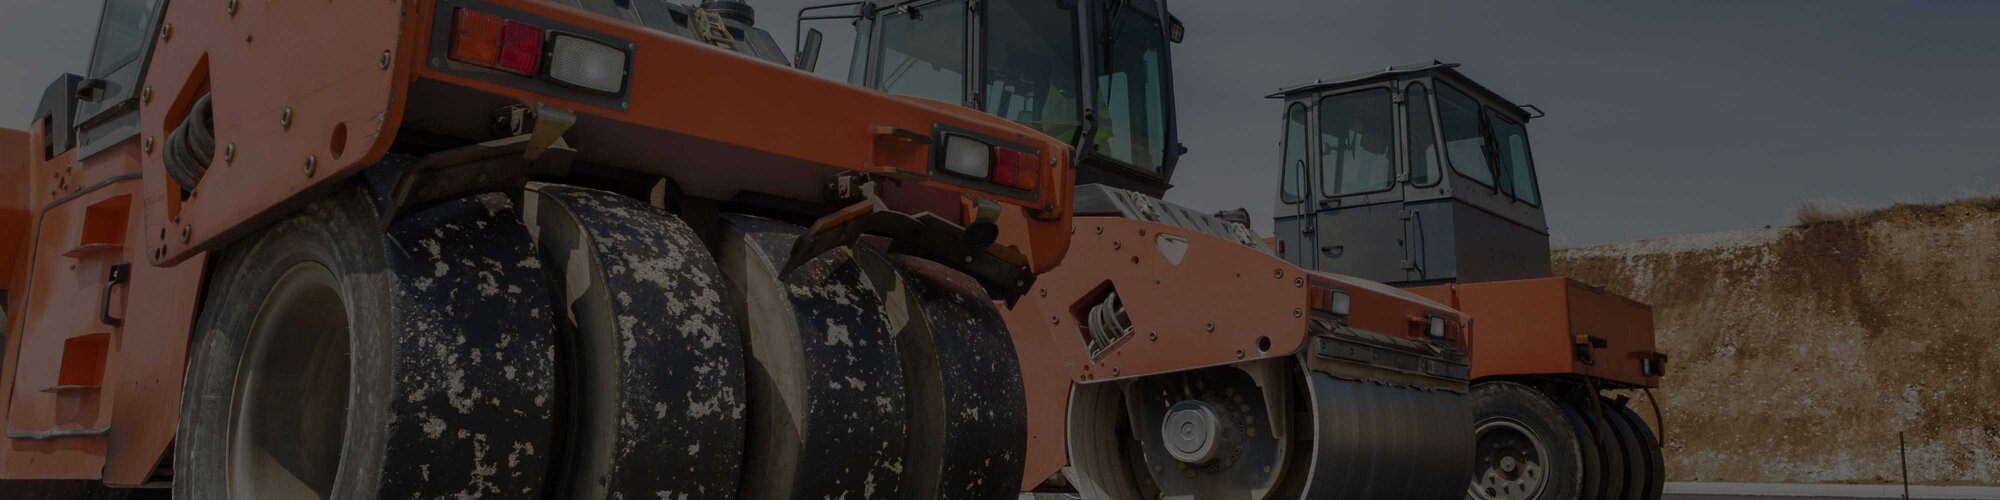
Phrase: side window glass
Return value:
(1464, 146)
(924, 55)
(857, 65)
(1357, 141)
(1423, 142)
(1293, 187)
(120, 35)
(1517, 168)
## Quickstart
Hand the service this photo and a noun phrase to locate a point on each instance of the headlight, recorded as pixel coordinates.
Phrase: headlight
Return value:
(1436, 328)
(967, 156)
(586, 63)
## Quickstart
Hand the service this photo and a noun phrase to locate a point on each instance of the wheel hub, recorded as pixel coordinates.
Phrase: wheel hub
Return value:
(1510, 462)
(1192, 431)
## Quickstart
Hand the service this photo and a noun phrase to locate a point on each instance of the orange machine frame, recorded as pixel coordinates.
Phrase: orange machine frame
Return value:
(307, 94)
(1549, 326)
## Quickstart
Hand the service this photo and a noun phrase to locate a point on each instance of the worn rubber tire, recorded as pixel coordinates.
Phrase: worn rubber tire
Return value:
(1612, 455)
(1592, 464)
(1544, 420)
(967, 407)
(654, 358)
(1643, 452)
(448, 334)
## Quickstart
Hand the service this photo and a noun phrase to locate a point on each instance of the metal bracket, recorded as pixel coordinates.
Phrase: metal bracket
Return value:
(1003, 271)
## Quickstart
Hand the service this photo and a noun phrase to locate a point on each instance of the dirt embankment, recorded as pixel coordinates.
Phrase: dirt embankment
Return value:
(1799, 353)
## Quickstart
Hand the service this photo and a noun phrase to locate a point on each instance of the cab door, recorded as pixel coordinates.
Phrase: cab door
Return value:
(1295, 215)
(1357, 163)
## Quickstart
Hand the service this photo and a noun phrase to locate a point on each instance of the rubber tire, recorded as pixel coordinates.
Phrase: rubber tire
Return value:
(1544, 417)
(1646, 451)
(653, 356)
(1592, 462)
(449, 382)
(1617, 470)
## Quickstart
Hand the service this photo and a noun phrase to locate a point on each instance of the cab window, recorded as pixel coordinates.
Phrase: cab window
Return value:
(121, 35)
(1357, 137)
(1464, 145)
(1132, 126)
(857, 64)
(1424, 159)
(923, 52)
(1517, 168)
(1293, 188)
(1032, 72)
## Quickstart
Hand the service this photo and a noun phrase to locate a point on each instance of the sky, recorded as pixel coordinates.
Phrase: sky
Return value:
(1664, 118)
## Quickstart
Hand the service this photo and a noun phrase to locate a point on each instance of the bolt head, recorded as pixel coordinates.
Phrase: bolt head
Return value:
(1115, 245)
(1153, 335)
(1296, 312)
(146, 94)
(231, 8)
(1210, 326)
(311, 163)
(1239, 353)
(166, 32)
(385, 59)
(187, 232)
(1278, 273)
(146, 145)
(285, 118)
(229, 152)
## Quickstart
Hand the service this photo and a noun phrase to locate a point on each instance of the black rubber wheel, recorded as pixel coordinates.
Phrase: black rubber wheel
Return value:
(967, 407)
(653, 356)
(1645, 451)
(334, 359)
(1618, 472)
(1592, 464)
(1527, 447)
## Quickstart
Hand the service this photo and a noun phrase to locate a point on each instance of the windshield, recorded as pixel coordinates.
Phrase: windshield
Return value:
(1031, 69)
(120, 35)
(923, 52)
(1517, 170)
(1357, 137)
(1131, 124)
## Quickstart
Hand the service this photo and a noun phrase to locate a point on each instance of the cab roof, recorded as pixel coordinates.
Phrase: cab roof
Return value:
(1435, 69)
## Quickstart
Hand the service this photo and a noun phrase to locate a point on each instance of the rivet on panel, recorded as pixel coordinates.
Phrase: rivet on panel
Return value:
(1210, 326)
(1115, 245)
(186, 232)
(1114, 371)
(146, 145)
(166, 32)
(231, 8)
(385, 59)
(285, 118)
(146, 94)
(1054, 320)
(1045, 292)
(1100, 229)
(1277, 273)
(229, 152)
(1296, 312)
(311, 162)
(1298, 282)
(1239, 353)
(1153, 335)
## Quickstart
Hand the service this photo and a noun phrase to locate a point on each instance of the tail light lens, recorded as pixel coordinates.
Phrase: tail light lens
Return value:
(487, 40)
(521, 48)
(1004, 166)
(1328, 300)
(475, 37)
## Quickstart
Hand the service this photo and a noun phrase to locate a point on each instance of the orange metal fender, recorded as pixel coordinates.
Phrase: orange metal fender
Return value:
(1194, 301)
(1537, 326)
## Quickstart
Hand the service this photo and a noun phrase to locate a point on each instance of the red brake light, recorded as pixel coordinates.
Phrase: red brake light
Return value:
(521, 48)
(1014, 169)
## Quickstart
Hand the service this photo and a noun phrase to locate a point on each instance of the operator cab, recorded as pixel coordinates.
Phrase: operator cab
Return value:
(1411, 175)
(1027, 61)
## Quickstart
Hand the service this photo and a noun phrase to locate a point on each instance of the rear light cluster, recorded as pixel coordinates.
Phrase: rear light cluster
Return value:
(490, 41)
(1328, 300)
(973, 158)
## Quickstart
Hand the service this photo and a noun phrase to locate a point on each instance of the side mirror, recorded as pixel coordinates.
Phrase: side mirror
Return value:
(808, 57)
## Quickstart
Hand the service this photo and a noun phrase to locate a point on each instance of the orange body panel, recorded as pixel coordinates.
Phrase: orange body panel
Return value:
(780, 130)
(1173, 292)
(1530, 327)
(66, 370)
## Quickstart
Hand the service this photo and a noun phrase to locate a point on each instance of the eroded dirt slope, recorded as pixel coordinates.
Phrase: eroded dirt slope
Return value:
(1799, 353)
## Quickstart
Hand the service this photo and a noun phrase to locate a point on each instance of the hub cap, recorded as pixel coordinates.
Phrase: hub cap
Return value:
(1510, 462)
(1191, 431)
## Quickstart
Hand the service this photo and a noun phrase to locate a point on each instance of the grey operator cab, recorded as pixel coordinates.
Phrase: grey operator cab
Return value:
(1094, 73)
(1410, 175)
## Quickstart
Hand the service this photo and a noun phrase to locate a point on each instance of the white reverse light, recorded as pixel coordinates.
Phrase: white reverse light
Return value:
(1436, 327)
(968, 157)
(585, 63)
